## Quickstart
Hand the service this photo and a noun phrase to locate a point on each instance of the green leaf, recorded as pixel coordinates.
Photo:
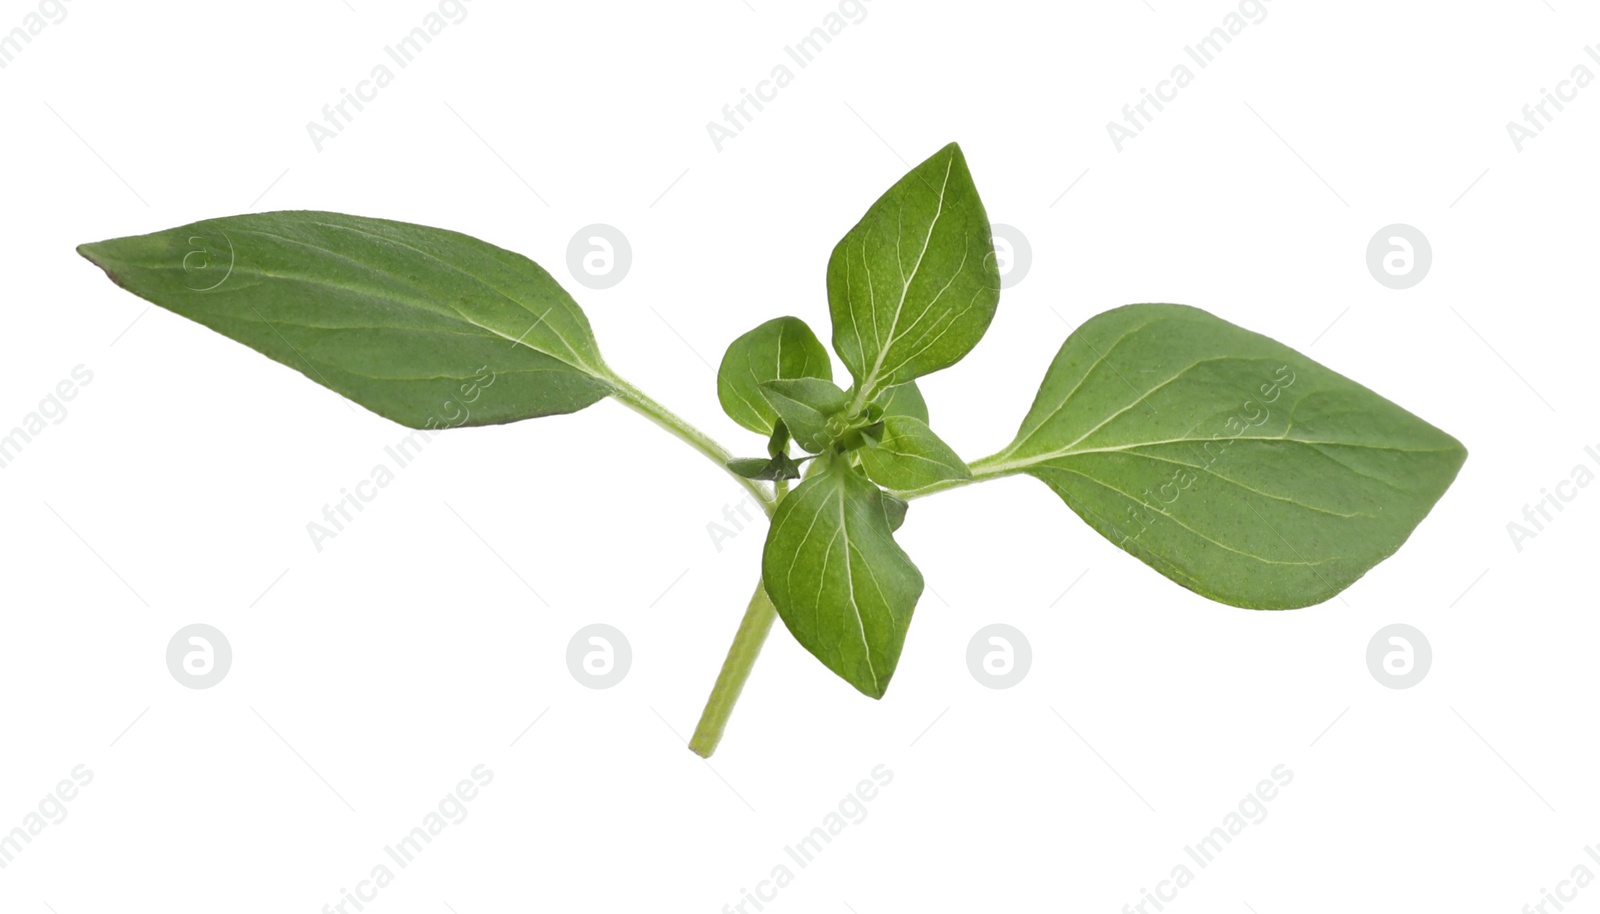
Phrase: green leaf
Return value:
(839, 581)
(894, 510)
(913, 286)
(778, 443)
(1228, 462)
(780, 466)
(903, 400)
(749, 467)
(864, 436)
(780, 348)
(909, 456)
(805, 404)
(820, 395)
(423, 326)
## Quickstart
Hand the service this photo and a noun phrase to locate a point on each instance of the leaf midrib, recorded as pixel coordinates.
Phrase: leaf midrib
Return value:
(420, 296)
(837, 486)
(1169, 516)
(850, 583)
(1071, 449)
(871, 379)
(1021, 465)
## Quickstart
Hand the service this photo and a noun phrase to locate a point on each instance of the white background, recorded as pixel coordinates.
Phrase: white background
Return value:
(370, 677)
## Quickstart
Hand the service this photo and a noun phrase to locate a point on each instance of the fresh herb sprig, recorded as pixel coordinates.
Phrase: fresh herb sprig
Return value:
(1226, 461)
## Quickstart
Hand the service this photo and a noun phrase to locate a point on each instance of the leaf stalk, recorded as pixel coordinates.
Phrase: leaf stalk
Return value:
(642, 403)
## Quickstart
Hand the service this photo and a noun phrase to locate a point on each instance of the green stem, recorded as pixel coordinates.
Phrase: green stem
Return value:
(760, 614)
(984, 468)
(742, 654)
(642, 403)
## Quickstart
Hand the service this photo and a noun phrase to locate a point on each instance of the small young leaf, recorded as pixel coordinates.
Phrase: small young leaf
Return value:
(820, 395)
(780, 348)
(427, 327)
(779, 442)
(1228, 462)
(903, 400)
(913, 286)
(749, 467)
(805, 404)
(867, 436)
(779, 467)
(909, 456)
(840, 583)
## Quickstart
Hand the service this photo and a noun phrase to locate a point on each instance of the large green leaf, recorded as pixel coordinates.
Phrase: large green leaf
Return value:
(909, 456)
(840, 583)
(1228, 462)
(783, 347)
(913, 286)
(423, 326)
